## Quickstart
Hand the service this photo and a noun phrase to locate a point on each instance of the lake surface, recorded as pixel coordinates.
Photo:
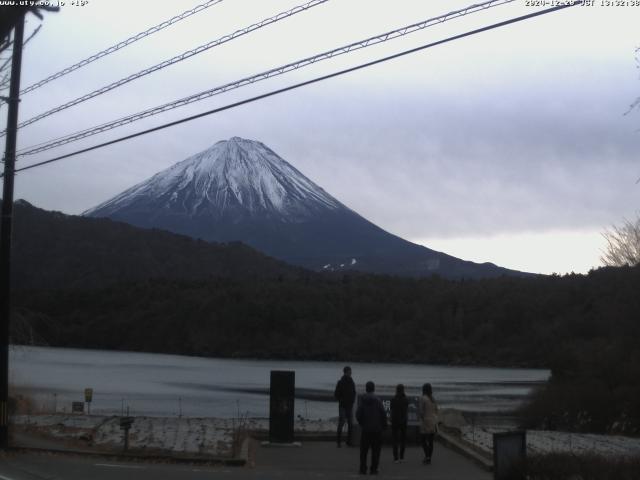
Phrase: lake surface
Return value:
(167, 385)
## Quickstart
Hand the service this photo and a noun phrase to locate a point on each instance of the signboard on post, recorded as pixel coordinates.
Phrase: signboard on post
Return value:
(88, 396)
(77, 407)
(125, 424)
(281, 406)
(412, 411)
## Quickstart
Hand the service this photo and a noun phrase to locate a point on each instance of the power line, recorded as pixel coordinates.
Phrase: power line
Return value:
(261, 76)
(176, 59)
(122, 44)
(305, 83)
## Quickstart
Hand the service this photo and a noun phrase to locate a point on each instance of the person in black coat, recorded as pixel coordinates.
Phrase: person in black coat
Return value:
(373, 420)
(345, 393)
(399, 417)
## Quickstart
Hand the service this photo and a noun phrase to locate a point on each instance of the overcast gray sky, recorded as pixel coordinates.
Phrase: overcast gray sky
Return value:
(510, 146)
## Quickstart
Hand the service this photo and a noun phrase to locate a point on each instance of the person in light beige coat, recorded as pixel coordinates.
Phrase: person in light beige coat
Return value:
(428, 418)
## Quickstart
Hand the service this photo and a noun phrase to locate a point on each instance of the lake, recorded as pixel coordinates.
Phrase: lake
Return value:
(167, 385)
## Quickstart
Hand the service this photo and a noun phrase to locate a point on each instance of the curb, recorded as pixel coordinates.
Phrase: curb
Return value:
(458, 446)
(299, 436)
(239, 461)
(242, 459)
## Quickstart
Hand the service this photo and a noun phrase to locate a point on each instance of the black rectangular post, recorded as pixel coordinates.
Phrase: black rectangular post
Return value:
(281, 406)
(509, 453)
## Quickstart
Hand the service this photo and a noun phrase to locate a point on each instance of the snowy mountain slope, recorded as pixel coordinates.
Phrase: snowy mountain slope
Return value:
(241, 190)
(232, 176)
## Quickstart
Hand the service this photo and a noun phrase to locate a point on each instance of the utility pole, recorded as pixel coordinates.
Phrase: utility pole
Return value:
(5, 229)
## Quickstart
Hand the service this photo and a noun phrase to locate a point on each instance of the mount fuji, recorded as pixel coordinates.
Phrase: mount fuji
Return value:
(241, 190)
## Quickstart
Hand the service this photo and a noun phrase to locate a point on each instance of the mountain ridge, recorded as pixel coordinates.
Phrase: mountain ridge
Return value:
(52, 250)
(241, 190)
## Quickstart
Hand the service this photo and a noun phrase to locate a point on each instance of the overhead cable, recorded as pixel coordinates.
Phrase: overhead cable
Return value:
(176, 59)
(261, 76)
(122, 44)
(305, 83)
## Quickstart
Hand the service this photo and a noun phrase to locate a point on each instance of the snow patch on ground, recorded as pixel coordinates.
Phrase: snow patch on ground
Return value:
(210, 437)
(182, 436)
(543, 441)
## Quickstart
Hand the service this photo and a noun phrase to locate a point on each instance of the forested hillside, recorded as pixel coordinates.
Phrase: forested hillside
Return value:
(543, 321)
(54, 250)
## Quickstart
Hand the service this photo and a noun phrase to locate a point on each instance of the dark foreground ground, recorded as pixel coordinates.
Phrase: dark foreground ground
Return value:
(311, 460)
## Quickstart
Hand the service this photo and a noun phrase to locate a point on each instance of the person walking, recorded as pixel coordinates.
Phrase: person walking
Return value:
(428, 417)
(399, 417)
(372, 419)
(345, 393)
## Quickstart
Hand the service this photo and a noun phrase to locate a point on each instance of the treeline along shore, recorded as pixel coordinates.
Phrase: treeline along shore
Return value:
(585, 328)
(94, 283)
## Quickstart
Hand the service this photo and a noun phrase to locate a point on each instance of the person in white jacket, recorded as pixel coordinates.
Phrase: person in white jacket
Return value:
(428, 416)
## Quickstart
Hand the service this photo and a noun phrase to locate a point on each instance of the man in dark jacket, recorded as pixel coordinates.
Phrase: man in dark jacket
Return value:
(373, 420)
(345, 393)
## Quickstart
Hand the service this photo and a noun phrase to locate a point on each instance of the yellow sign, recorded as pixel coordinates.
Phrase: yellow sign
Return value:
(88, 394)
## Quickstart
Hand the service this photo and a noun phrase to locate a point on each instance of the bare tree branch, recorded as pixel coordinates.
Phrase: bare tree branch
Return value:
(33, 34)
(5, 45)
(7, 62)
(636, 103)
(623, 244)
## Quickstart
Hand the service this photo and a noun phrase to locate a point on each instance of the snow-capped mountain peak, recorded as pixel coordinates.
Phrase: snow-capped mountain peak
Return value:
(235, 176)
